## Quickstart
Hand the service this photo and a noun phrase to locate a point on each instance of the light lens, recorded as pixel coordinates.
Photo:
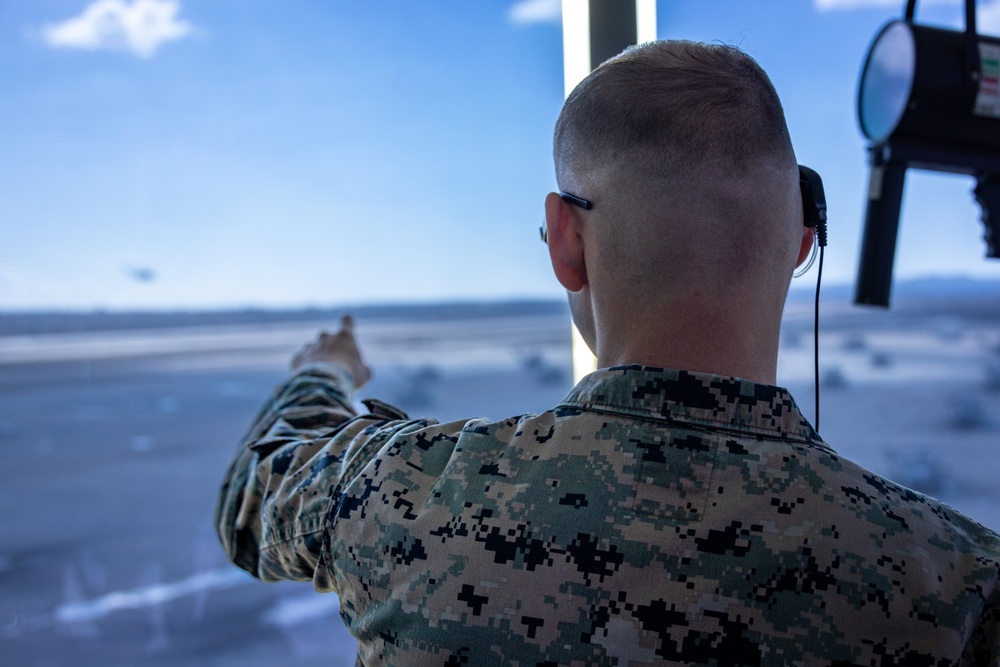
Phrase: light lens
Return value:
(887, 81)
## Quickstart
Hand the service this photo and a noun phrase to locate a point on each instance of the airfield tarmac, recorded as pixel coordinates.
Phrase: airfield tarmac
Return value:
(114, 444)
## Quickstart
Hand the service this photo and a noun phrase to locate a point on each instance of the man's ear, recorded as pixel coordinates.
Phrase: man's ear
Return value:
(805, 247)
(565, 241)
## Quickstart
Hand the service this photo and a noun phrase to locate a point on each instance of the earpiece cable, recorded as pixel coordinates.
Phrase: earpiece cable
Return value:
(819, 279)
(804, 269)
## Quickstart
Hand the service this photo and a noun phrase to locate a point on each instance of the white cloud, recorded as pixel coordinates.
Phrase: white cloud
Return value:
(140, 27)
(524, 12)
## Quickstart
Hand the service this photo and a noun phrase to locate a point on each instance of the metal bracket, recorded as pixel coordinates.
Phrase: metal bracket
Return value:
(987, 194)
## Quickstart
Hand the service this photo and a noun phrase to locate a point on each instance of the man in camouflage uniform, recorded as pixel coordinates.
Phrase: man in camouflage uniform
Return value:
(686, 516)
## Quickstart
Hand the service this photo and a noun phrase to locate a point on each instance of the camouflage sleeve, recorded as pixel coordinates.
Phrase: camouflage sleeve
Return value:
(984, 646)
(276, 493)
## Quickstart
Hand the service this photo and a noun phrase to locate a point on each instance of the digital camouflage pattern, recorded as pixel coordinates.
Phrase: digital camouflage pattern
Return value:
(653, 517)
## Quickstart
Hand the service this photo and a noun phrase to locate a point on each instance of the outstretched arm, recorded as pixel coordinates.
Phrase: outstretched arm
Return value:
(278, 489)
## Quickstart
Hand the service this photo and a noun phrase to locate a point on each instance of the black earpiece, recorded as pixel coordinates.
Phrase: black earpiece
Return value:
(813, 202)
(814, 216)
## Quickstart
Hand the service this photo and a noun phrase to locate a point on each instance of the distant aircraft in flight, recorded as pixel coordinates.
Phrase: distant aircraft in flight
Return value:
(140, 274)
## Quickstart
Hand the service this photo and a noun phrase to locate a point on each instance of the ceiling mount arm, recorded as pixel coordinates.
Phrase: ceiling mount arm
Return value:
(972, 64)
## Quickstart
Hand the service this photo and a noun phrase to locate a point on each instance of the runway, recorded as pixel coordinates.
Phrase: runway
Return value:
(115, 442)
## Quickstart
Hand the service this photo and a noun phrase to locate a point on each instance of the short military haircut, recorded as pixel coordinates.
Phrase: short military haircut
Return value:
(672, 106)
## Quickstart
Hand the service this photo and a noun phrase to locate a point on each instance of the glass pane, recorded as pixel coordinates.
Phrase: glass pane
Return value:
(887, 81)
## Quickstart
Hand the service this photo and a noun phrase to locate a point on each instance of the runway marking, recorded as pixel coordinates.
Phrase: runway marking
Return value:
(89, 610)
(281, 338)
(137, 598)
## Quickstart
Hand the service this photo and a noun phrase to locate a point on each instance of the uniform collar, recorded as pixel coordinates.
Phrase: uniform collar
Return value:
(698, 399)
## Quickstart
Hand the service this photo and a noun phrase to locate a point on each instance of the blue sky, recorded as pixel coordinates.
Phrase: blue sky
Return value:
(293, 153)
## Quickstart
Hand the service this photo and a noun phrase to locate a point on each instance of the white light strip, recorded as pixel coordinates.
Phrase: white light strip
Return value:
(584, 361)
(576, 66)
(576, 42)
(645, 20)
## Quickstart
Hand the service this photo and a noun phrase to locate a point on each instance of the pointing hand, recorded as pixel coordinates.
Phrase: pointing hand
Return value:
(340, 348)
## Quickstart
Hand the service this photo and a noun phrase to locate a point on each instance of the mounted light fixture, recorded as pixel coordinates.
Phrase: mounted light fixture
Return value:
(929, 98)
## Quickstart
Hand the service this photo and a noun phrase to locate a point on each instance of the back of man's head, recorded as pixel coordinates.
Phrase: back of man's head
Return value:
(684, 150)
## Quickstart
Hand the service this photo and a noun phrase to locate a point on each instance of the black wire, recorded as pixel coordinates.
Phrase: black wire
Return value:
(819, 278)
